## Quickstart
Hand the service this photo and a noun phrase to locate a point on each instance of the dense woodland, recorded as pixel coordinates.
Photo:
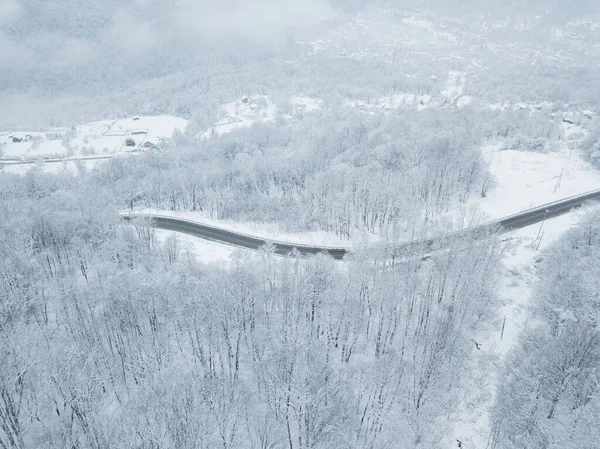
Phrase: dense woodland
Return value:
(113, 339)
(550, 391)
(317, 171)
(110, 339)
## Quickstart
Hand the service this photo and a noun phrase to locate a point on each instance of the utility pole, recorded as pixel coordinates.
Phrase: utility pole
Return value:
(540, 234)
(539, 241)
(542, 225)
(559, 180)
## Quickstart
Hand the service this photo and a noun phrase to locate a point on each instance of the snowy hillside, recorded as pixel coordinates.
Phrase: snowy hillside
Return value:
(257, 224)
(244, 112)
(107, 137)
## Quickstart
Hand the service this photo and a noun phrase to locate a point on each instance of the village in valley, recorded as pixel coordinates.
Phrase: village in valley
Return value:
(88, 142)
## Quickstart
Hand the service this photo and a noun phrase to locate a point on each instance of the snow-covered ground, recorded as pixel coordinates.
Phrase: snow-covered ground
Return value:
(452, 95)
(101, 138)
(374, 34)
(528, 179)
(391, 102)
(244, 112)
(305, 104)
(455, 85)
(519, 276)
(203, 251)
(507, 106)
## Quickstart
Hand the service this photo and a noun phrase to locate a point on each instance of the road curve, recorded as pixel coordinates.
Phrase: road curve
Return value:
(207, 232)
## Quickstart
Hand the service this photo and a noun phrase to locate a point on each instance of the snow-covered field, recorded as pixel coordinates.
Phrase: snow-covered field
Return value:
(528, 179)
(305, 104)
(101, 138)
(244, 112)
(392, 102)
(241, 113)
(203, 251)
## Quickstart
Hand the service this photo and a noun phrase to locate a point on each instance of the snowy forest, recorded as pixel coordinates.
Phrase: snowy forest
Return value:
(443, 147)
(111, 339)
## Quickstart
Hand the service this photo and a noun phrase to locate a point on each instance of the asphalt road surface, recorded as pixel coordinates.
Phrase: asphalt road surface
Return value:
(517, 221)
(8, 163)
(231, 238)
(546, 211)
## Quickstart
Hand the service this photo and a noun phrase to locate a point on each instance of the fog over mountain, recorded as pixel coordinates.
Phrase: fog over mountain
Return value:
(63, 50)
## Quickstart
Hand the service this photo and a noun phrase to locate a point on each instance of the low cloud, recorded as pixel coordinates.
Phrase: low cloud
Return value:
(10, 51)
(250, 20)
(10, 10)
(130, 34)
(78, 51)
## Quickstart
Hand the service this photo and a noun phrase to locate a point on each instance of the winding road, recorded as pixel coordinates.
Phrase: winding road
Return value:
(207, 232)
